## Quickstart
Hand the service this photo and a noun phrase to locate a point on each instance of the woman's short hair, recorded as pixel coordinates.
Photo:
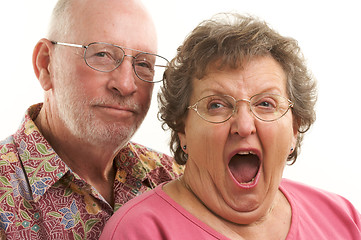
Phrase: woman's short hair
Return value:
(232, 39)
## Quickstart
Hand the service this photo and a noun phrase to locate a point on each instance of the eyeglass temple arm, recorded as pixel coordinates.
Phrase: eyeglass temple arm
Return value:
(69, 44)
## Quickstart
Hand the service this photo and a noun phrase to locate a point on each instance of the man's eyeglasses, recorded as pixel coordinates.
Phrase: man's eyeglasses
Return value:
(106, 57)
(267, 107)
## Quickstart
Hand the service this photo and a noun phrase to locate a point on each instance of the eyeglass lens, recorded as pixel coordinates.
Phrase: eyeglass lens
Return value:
(219, 108)
(107, 57)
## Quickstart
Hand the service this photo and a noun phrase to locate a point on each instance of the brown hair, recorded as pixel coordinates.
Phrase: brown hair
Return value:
(232, 39)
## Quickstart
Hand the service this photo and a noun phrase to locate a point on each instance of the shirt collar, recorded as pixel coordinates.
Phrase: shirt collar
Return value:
(42, 165)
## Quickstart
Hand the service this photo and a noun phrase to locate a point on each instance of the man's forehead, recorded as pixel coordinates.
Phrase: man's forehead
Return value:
(125, 23)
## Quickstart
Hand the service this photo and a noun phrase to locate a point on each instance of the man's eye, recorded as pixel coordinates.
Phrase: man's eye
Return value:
(144, 64)
(101, 54)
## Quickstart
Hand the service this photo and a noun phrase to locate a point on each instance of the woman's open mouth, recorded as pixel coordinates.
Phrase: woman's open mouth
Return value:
(244, 167)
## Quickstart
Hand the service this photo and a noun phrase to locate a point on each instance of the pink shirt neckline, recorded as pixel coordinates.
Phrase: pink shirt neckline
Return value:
(292, 232)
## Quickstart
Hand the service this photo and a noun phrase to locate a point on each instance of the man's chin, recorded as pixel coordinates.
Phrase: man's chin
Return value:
(116, 136)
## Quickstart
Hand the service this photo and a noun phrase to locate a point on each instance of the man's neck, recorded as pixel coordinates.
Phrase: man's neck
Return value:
(93, 163)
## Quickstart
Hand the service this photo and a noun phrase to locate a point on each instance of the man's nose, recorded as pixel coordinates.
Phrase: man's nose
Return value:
(123, 79)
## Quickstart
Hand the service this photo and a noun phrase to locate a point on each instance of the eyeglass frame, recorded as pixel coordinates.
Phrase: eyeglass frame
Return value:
(121, 48)
(194, 107)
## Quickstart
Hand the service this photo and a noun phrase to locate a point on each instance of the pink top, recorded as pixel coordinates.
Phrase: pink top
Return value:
(316, 214)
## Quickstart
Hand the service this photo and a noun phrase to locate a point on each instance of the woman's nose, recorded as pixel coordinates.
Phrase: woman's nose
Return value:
(243, 121)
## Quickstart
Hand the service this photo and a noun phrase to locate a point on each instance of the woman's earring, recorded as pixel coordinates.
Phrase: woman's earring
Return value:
(292, 150)
(185, 147)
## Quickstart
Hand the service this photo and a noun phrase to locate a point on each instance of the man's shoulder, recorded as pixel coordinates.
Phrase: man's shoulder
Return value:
(8, 154)
(132, 146)
(146, 160)
(7, 141)
(152, 157)
(146, 154)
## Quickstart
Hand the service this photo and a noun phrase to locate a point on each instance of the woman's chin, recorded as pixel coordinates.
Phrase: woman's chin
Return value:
(245, 208)
(246, 215)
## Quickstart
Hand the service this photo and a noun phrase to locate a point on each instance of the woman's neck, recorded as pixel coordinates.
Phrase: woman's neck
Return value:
(274, 225)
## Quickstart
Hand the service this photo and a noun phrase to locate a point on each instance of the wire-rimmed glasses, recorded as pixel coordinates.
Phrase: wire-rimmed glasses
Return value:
(267, 107)
(106, 57)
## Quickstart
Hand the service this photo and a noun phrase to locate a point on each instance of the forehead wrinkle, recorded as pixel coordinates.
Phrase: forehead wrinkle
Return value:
(260, 75)
(218, 82)
(210, 85)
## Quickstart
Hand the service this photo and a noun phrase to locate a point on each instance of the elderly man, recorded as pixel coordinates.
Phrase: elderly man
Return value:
(71, 165)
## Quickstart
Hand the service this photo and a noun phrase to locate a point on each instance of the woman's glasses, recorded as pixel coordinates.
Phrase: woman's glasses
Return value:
(267, 107)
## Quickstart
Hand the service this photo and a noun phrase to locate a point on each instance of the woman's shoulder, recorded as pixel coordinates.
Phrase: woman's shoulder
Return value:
(301, 192)
(146, 203)
(316, 211)
(135, 215)
(155, 215)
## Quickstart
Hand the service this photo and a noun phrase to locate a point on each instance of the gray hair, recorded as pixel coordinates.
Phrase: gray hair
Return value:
(60, 20)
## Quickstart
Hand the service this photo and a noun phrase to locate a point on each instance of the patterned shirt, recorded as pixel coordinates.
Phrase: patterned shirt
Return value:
(41, 198)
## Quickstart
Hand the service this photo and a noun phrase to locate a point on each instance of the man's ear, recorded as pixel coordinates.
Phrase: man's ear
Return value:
(41, 62)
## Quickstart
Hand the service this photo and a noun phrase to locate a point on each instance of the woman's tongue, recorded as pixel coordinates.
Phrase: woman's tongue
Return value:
(244, 167)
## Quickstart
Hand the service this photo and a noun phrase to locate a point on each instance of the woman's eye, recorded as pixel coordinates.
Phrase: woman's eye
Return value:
(219, 104)
(215, 105)
(266, 103)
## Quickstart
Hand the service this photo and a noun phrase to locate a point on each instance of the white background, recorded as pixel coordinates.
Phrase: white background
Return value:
(329, 33)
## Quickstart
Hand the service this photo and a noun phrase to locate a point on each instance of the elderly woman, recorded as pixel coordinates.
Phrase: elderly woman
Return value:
(238, 99)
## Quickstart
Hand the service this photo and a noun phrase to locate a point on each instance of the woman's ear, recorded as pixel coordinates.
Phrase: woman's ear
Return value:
(296, 126)
(41, 62)
(183, 141)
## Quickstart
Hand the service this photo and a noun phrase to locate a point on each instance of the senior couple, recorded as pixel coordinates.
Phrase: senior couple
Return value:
(238, 99)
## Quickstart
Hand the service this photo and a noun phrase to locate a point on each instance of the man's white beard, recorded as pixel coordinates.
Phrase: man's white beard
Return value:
(82, 123)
